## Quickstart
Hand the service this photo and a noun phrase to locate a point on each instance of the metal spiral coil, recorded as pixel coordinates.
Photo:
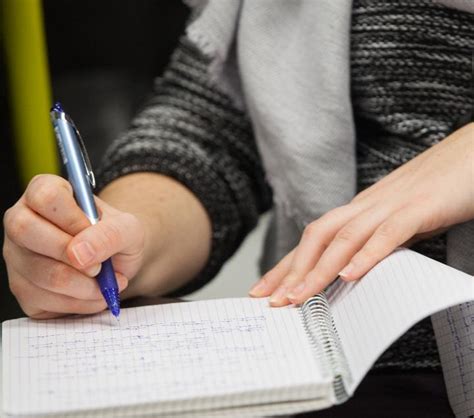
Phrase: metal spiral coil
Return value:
(321, 330)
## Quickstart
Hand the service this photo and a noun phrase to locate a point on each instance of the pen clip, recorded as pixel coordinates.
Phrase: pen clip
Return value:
(85, 157)
(57, 113)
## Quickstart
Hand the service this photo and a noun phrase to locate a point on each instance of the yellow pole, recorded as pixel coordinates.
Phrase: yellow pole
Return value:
(29, 87)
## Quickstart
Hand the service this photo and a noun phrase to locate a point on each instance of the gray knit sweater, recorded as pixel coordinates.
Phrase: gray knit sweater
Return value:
(192, 132)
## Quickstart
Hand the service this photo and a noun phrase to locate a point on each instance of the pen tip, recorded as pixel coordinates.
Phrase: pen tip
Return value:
(115, 311)
(112, 297)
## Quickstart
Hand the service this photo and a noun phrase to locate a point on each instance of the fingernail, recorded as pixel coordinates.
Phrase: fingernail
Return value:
(258, 289)
(83, 252)
(296, 291)
(278, 297)
(94, 270)
(346, 271)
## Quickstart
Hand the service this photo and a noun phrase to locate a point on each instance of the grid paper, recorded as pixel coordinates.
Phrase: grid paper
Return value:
(400, 291)
(454, 329)
(181, 356)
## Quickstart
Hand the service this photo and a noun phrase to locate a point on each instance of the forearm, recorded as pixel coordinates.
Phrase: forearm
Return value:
(191, 132)
(178, 230)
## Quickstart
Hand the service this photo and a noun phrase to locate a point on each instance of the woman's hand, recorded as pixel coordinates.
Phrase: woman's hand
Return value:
(423, 197)
(157, 231)
(53, 253)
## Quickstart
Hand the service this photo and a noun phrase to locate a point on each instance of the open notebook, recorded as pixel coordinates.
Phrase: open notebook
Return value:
(227, 357)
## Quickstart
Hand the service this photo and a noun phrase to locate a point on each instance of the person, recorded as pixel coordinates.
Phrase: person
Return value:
(182, 187)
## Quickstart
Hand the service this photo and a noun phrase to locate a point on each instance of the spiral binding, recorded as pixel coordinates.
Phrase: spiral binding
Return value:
(320, 327)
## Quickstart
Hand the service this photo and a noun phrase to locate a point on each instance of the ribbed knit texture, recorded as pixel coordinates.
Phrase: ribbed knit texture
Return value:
(191, 131)
(410, 82)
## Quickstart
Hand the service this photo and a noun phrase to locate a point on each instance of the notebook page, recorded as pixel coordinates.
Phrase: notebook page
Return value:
(454, 330)
(404, 288)
(183, 351)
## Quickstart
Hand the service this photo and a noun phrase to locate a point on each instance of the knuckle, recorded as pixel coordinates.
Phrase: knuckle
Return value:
(59, 277)
(311, 229)
(358, 197)
(44, 196)
(7, 217)
(36, 183)
(38, 179)
(16, 288)
(346, 234)
(16, 223)
(337, 212)
(42, 180)
(387, 229)
(342, 209)
(7, 251)
(44, 189)
(110, 234)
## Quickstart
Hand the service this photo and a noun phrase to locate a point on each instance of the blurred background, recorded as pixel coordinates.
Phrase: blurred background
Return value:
(103, 57)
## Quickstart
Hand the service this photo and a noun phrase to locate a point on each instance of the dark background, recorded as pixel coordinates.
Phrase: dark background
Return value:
(103, 57)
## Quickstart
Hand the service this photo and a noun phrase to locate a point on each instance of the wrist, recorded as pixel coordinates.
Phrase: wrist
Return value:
(177, 230)
(463, 140)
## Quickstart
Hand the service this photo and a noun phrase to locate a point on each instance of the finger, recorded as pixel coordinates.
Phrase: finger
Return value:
(35, 300)
(121, 233)
(345, 244)
(389, 235)
(392, 233)
(272, 278)
(314, 241)
(58, 277)
(45, 315)
(316, 236)
(27, 229)
(52, 198)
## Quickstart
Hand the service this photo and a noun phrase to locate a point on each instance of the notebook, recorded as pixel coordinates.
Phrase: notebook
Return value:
(226, 357)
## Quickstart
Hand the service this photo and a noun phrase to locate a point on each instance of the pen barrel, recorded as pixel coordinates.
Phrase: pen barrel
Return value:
(108, 286)
(76, 161)
(68, 144)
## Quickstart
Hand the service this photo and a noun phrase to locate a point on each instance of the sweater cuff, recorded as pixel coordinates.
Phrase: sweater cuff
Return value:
(187, 163)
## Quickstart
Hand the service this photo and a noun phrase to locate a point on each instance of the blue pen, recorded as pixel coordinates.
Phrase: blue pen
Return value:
(81, 177)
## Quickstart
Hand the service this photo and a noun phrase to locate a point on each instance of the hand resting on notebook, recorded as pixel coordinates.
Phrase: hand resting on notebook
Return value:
(423, 197)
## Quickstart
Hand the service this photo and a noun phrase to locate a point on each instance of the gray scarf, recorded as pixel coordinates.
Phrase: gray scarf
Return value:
(298, 98)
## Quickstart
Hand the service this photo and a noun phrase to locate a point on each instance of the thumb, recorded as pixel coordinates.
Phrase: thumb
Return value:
(117, 232)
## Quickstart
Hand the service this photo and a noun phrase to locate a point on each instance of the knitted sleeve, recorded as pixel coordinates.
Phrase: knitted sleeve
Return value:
(191, 131)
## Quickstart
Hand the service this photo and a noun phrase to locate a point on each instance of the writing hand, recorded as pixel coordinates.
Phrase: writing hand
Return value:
(53, 253)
